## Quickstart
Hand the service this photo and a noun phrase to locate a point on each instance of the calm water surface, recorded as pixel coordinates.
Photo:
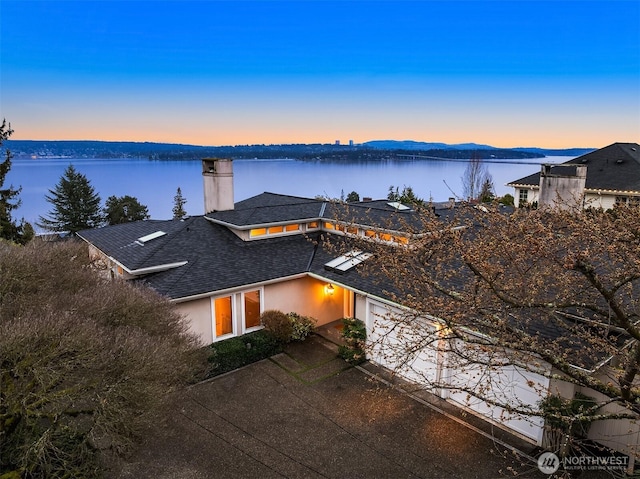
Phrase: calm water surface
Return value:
(154, 183)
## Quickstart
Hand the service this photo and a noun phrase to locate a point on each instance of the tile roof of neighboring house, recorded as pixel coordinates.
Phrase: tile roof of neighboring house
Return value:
(614, 168)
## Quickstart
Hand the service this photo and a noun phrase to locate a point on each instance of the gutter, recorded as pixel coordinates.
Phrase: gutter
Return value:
(236, 288)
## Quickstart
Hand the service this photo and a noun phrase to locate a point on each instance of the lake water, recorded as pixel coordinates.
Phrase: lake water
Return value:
(154, 183)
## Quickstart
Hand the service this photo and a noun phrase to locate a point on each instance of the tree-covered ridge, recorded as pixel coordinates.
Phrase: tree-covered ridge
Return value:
(318, 152)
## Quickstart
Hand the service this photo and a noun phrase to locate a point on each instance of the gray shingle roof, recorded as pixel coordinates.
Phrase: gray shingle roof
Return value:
(216, 259)
(613, 168)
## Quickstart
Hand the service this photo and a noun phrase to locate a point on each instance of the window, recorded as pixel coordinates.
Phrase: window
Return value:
(401, 239)
(352, 230)
(258, 232)
(385, 236)
(313, 224)
(329, 226)
(251, 309)
(223, 316)
(276, 229)
(295, 227)
(370, 234)
(523, 196)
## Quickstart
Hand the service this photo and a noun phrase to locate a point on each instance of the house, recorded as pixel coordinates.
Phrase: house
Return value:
(223, 269)
(600, 179)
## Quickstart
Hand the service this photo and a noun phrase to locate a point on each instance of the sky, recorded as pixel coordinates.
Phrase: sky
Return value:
(506, 73)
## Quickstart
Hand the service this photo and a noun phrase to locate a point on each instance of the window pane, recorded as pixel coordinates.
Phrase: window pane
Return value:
(524, 195)
(223, 316)
(252, 309)
(313, 224)
(292, 227)
(329, 226)
(258, 232)
(275, 229)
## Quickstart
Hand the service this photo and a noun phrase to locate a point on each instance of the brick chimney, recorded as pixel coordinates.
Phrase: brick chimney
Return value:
(217, 175)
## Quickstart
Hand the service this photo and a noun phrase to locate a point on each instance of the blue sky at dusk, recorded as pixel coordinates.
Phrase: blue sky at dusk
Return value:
(516, 73)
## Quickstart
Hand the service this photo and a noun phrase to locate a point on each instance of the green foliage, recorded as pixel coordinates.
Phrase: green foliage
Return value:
(22, 232)
(85, 364)
(507, 200)
(234, 353)
(178, 205)
(302, 326)
(285, 328)
(124, 209)
(406, 196)
(76, 205)
(570, 416)
(354, 333)
(487, 193)
(353, 197)
(277, 325)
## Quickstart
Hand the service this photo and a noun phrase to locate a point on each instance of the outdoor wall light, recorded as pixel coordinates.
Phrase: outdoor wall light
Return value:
(329, 289)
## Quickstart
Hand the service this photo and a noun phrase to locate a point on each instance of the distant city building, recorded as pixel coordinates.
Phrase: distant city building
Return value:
(337, 142)
(350, 142)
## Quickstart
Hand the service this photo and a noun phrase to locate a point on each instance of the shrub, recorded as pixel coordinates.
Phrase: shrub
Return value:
(302, 326)
(354, 334)
(277, 324)
(85, 364)
(565, 414)
(234, 353)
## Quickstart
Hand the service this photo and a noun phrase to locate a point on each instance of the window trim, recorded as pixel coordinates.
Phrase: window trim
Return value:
(213, 318)
(260, 291)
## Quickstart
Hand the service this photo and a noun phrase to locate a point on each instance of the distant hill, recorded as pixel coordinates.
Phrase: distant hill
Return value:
(369, 151)
(420, 145)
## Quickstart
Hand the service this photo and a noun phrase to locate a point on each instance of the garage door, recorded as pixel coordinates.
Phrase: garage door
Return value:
(414, 353)
(503, 385)
(409, 351)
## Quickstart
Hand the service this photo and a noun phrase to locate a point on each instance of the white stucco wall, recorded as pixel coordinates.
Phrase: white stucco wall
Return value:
(199, 316)
(306, 296)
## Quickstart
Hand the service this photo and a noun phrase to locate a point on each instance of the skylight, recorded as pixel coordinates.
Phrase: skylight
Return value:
(398, 206)
(347, 261)
(152, 236)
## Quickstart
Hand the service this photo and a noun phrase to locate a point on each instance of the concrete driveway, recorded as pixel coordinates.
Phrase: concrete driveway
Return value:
(307, 414)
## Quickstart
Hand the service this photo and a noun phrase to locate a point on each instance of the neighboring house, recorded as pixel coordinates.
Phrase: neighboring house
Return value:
(223, 269)
(612, 178)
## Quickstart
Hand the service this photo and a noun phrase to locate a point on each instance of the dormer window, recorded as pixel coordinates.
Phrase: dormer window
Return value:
(274, 230)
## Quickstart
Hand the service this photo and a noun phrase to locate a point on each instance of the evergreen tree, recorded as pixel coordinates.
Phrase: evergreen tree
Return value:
(178, 205)
(487, 194)
(10, 230)
(406, 197)
(124, 209)
(76, 205)
(353, 197)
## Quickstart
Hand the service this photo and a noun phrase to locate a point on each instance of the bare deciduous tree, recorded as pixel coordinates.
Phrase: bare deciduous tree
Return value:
(550, 293)
(476, 180)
